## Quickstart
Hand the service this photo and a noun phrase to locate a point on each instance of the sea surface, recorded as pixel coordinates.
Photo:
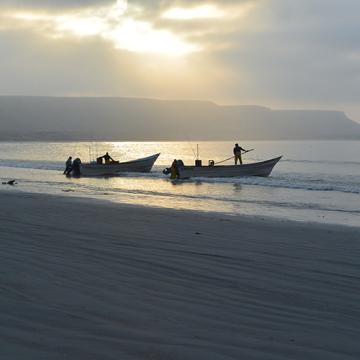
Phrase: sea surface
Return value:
(317, 181)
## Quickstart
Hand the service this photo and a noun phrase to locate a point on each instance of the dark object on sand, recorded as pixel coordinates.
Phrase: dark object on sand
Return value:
(10, 182)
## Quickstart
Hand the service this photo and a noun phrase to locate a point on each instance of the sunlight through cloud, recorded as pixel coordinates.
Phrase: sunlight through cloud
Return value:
(111, 24)
(199, 12)
(139, 36)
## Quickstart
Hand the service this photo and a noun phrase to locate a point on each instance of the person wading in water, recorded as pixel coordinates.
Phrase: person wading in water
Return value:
(68, 166)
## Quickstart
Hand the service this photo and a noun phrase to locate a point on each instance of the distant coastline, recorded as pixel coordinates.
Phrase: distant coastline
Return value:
(30, 118)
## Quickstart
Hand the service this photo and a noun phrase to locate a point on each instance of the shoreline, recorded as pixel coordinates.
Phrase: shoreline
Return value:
(308, 186)
(207, 213)
(87, 279)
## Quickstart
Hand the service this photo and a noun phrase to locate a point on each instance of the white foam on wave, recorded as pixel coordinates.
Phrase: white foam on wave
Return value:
(116, 191)
(300, 183)
(328, 162)
(316, 182)
(33, 164)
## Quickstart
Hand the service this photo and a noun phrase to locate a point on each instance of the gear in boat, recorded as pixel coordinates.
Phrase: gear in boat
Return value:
(107, 159)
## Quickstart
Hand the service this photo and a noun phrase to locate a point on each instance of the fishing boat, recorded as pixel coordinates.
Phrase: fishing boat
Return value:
(262, 168)
(115, 168)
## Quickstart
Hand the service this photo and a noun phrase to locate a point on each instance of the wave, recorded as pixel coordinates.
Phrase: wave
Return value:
(328, 162)
(173, 197)
(296, 183)
(33, 164)
(283, 204)
(284, 180)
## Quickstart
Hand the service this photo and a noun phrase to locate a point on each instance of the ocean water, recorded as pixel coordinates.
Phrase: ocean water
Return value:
(317, 181)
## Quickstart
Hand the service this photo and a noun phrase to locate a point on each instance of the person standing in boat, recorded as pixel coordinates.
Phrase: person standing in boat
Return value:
(108, 159)
(237, 153)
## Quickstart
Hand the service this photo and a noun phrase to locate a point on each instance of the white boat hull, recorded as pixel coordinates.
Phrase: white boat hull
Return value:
(139, 165)
(262, 168)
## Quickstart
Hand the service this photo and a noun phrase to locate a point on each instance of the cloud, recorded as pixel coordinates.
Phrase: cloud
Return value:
(272, 52)
(51, 4)
(110, 23)
(304, 55)
(39, 66)
(198, 12)
(175, 29)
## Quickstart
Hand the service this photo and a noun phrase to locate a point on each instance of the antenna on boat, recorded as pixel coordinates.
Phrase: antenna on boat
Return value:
(197, 161)
(190, 145)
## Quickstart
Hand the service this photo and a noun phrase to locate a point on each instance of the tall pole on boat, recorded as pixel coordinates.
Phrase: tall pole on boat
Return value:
(197, 161)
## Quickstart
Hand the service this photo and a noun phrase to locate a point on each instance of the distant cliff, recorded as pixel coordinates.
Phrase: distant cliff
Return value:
(54, 118)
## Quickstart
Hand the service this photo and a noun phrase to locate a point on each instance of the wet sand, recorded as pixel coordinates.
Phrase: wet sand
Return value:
(85, 279)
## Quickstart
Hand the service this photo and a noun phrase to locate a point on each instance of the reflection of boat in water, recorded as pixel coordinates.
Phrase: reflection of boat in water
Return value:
(262, 168)
(115, 168)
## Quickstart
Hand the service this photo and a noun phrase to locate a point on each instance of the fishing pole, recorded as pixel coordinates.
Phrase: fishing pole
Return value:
(219, 162)
(190, 144)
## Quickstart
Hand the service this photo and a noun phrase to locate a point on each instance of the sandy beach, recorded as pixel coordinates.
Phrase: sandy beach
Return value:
(85, 279)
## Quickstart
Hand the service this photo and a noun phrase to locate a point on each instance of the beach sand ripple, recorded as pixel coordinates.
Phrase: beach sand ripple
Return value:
(84, 279)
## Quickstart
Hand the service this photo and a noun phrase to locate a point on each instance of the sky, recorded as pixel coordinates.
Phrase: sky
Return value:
(298, 54)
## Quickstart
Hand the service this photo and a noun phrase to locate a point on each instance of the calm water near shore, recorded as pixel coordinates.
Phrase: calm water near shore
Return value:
(316, 180)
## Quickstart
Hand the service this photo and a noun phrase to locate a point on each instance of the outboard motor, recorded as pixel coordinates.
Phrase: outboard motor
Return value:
(76, 167)
(174, 169)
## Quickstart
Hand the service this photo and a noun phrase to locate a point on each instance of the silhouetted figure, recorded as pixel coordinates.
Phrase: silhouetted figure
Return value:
(174, 169)
(107, 158)
(237, 153)
(76, 167)
(68, 166)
